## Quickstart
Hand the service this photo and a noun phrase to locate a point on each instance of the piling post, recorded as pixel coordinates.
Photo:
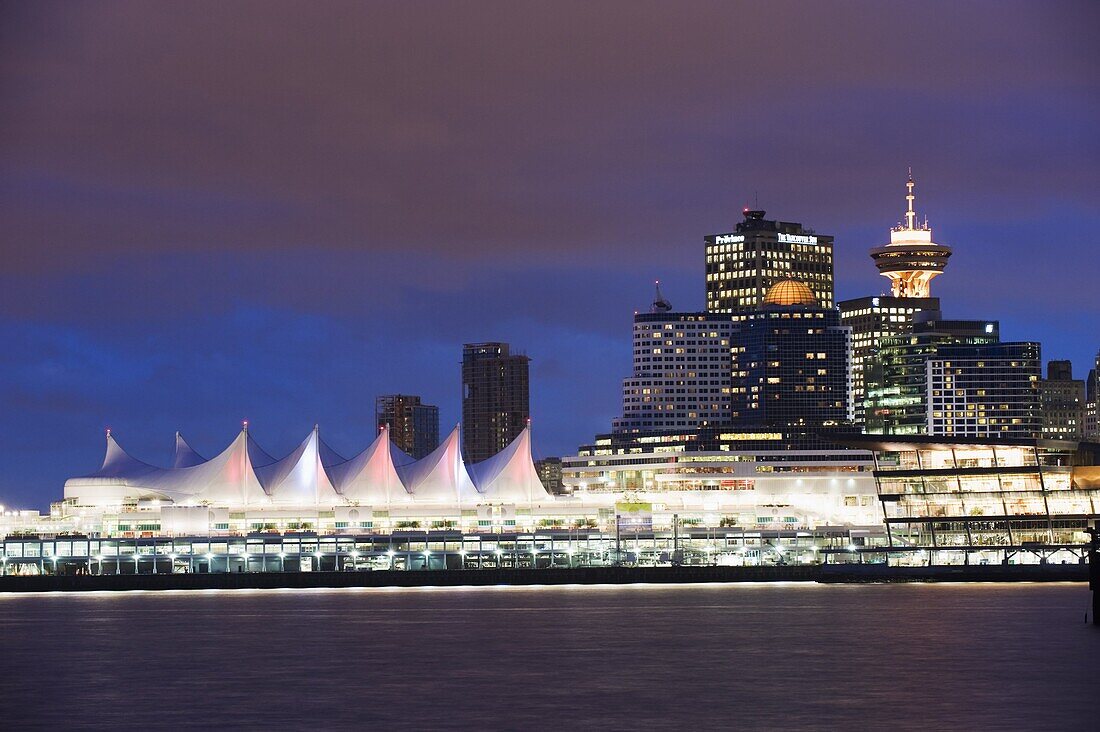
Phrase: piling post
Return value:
(1094, 570)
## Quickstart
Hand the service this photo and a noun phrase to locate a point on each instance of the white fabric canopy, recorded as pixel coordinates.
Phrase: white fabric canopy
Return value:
(440, 477)
(226, 480)
(370, 478)
(299, 479)
(510, 475)
(313, 474)
(119, 476)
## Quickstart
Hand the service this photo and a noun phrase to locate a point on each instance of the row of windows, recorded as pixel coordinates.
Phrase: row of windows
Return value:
(634, 384)
(753, 274)
(659, 330)
(682, 349)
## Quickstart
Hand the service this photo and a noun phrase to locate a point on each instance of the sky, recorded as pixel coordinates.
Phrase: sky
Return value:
(276, 211)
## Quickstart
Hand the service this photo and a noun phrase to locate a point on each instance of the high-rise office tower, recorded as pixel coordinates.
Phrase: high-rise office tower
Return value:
(742, 265)
(897, 378)
(954, 378)
(872, 319)
(414, 427)
(681, 375)
(910, 261)
(495, 398)
(1063, 402)
(1092, 403)
(985, 391)
(790, 361)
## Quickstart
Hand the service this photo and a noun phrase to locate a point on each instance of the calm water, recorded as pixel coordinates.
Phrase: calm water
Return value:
(793, 656)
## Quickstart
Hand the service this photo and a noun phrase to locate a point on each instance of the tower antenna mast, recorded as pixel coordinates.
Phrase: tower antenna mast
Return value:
(910, 215)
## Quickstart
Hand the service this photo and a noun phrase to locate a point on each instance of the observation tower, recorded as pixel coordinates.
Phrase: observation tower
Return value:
(911, 259)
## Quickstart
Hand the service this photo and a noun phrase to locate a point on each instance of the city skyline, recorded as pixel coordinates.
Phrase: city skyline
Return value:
(157, 285)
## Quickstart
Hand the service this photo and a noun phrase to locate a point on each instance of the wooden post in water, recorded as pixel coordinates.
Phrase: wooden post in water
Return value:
(1094, 570)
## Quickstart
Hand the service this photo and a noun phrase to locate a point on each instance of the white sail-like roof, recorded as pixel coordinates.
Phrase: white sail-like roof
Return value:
(300, 478)
(440, 477)
(228, 479)
(243, 475)
(370, 478)
(120, 476)
(185, 456)
(117, 463)
(510, 475)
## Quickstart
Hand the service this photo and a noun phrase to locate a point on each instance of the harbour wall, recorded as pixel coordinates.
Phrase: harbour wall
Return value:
(840, 573)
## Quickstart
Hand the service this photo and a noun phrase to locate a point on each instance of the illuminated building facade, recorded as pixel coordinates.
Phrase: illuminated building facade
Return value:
(985, 391)
(1063, 403)
(790, 361)
(972, 501)
(729, 477)
(897, 382)
(872, 319)
(682, 371)
(742, 265)
(579, 545)
(781, 363)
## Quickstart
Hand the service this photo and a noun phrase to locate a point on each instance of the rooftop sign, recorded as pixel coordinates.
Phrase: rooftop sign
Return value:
(795, 239)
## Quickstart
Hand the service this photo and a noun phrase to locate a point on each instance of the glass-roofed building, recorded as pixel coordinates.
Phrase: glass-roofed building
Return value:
(984, 501)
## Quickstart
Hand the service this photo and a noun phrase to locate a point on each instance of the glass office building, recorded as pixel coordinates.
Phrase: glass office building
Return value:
(871, 320)
(790, 362)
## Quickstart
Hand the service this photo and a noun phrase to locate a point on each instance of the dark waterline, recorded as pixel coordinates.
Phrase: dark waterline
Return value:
(758, 656)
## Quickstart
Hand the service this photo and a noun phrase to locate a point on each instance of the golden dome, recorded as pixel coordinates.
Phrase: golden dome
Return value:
(790, 292)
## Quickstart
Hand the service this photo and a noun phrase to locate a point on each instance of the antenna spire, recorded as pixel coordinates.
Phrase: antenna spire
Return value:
(910, 214)
(660, 304)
